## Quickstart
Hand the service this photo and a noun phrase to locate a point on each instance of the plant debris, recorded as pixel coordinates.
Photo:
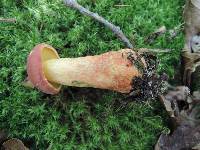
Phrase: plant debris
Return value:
(10, 144)
(14, 144)
(174, 32)
(192, 21)
(173, 99)
(184, 109)
(171, 34)
(8, 20)
(122, 5)
(190, 63)
(153, 36)
(183, 105)
(190, 53)
(184, 138)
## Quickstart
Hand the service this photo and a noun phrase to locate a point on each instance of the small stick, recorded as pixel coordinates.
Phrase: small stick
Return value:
(115, 29)
(153, 36)
(146, 50)
(12, 20)
(122, 5)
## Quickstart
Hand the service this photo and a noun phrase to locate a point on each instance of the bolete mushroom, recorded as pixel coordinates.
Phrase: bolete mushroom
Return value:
(112, 70)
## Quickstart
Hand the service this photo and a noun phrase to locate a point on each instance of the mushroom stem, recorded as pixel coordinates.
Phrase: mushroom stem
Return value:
(111, 70)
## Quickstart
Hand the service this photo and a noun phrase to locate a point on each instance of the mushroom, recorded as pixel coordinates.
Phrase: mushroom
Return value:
(113, 70)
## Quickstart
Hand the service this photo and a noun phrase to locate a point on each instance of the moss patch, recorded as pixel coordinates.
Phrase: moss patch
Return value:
(68, 120)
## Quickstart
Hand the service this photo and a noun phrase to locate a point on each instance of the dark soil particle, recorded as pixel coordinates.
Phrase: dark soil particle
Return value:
(151, 84)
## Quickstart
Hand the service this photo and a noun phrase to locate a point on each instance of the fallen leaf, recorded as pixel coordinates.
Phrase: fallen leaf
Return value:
(173, 98)
(184, 110)
(14, 144)
(183, 138)
(190, 61)
(192, 21)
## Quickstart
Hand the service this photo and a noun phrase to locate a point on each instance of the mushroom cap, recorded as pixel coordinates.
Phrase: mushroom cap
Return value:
(40, 54)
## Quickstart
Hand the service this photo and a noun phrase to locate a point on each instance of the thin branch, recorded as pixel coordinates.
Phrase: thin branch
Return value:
(146, 50)
(115, 29)
(12, 20)
(153, 36)
(122, 5)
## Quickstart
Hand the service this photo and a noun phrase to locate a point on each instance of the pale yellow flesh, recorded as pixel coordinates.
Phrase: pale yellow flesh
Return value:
(67, 71)
(50, 54)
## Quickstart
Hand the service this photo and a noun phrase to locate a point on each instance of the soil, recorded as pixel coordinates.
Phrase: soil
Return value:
(151, 84)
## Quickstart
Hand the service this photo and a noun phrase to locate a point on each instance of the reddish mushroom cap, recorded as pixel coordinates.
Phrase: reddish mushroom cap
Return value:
(39, 54)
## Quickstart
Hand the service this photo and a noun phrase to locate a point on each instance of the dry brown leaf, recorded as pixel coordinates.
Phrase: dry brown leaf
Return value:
(14, 144)
(173, 98)
(184, 137)
(190, 62)
(192, 21)
(184, 109)
(180, 105)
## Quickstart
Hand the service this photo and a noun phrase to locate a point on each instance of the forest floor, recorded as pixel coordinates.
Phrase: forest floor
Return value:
(82, 118)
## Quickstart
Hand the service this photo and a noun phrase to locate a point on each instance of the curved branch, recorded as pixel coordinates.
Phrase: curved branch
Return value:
(115, 29)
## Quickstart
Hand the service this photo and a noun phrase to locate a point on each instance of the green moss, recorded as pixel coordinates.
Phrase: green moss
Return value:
(75, 122)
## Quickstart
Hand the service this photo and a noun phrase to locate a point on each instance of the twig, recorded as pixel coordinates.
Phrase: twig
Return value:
(12, 20)
(146, 50)
(153, 36)
(115, 29)
(122, 5)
